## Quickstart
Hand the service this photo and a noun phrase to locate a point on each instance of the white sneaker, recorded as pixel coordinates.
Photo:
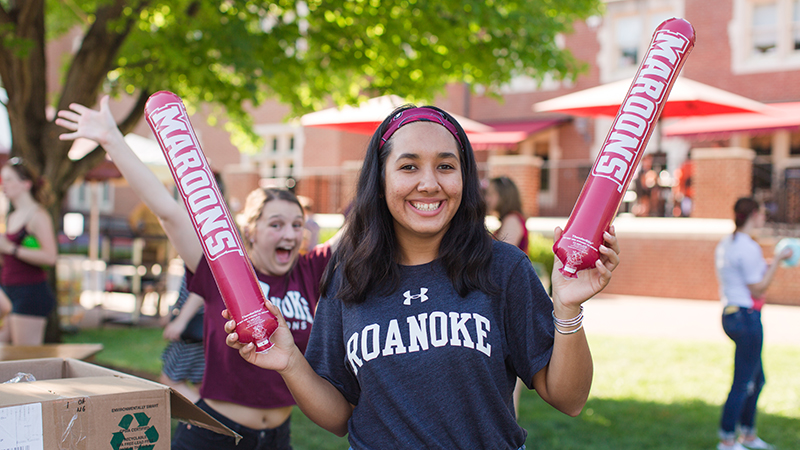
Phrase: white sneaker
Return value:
(757, 443)
(735, 446)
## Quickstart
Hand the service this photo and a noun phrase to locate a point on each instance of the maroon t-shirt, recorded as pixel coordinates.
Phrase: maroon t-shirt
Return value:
(228, 377)
(16, 271)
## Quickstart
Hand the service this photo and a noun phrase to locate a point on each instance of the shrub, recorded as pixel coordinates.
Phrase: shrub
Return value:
(540, 250)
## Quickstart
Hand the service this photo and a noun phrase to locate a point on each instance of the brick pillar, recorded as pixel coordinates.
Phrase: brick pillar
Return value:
(721, 176)
(239, 182)
(525, 171)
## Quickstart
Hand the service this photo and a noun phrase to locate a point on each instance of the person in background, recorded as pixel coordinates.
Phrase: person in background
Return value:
(683, 191)
(425, 321)
(5, 310)
(744, 276)
(184, 357)
(311, 237)
(503, 201)
(28, 246)
(252, 402)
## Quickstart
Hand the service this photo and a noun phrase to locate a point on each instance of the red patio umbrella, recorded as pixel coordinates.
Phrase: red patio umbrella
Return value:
(780, 116)
(365, 118)
(687, 98)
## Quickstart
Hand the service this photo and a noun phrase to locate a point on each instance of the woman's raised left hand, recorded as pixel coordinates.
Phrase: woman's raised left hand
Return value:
(572, 292)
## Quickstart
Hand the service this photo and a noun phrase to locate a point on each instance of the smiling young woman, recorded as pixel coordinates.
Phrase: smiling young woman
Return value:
(426, 321)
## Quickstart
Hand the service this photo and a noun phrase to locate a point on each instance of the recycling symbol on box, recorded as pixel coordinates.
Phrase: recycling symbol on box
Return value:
(141, 437)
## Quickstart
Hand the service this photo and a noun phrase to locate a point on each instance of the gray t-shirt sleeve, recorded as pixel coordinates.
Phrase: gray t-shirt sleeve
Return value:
(326, 349)
(529, 326)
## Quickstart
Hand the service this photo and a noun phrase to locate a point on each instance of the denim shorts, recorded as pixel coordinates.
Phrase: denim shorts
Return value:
(191, 437)
(31, 299)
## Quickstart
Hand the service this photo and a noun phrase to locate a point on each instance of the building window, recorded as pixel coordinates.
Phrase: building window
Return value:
(627, 31)
(762, 164)
(765, 35)
(80, 197)
(283, 146)
(542, 150)
(627, 34)
(796, 25)
(765, 28)
(794, 143)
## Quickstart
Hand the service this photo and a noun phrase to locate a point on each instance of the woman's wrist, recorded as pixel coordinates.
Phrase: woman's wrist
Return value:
(296, 361)
(565, 311)
(568, 326)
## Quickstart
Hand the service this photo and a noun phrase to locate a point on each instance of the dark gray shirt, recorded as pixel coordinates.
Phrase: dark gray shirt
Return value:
(429, 369)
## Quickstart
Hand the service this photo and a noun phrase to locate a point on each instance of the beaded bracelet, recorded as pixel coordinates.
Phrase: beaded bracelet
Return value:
(559, 323)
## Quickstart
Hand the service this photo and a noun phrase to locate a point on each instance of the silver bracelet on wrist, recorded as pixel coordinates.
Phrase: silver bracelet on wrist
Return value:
(573, 331)
(576, 321)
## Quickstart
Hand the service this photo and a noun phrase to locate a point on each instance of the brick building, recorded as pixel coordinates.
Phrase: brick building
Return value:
(748, 47)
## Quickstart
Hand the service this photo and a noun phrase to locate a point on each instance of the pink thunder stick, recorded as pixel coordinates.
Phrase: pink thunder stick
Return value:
(167, 117)
(577, 249)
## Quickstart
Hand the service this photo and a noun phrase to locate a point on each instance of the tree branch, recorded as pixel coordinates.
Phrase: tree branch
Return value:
(129, 123)
(88, 162)
(4, 17)
(95, 57)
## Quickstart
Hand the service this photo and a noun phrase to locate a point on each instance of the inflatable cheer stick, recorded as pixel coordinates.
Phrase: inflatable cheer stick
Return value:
(167, 117)
(577, 249)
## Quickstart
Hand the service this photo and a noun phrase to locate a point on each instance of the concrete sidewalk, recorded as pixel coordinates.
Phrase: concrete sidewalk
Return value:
(627, 315)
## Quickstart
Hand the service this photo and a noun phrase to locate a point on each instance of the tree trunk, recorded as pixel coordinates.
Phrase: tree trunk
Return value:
(53, 331)
(24, 77)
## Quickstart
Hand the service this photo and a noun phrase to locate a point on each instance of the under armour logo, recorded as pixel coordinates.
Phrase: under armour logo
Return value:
(421, 296)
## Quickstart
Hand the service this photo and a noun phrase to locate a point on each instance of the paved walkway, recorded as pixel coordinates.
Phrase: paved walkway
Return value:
(680, 319)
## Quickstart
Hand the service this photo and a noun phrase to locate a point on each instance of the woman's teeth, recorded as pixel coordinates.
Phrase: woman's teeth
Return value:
(427, 206)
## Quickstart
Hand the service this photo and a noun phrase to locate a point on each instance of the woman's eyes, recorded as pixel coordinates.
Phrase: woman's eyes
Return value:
(280, 225)
(442, 166)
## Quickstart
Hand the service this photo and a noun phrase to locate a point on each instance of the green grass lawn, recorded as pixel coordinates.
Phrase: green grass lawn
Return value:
(653, 394)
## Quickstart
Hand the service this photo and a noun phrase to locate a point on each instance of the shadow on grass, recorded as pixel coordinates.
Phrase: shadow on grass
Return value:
(633, 424)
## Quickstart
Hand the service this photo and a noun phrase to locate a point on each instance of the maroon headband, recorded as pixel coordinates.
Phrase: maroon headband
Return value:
(415, 115)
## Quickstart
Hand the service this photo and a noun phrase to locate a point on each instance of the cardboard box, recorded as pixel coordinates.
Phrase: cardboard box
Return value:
(78, 405)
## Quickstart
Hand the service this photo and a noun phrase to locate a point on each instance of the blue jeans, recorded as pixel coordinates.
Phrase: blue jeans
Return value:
(521, 448)
(744, 328)
(190, 437)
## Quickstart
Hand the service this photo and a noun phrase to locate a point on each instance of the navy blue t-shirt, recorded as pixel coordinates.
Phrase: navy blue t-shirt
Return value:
(429, 369)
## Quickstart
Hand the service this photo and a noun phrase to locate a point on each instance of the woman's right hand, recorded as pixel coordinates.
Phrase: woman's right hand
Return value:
(277, 358)
(87, 123)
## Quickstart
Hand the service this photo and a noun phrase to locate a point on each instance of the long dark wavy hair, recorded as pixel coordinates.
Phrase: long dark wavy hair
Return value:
(367, 254)
(509, 199)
